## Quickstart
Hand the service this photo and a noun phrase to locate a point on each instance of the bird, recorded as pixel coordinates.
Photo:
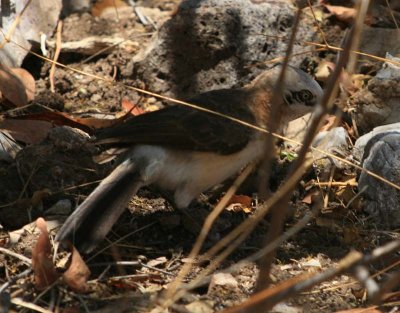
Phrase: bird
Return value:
(186, 151)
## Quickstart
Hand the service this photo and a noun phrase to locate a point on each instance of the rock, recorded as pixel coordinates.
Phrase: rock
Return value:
(224, 280)
(359, 146)
(335, 141)
(215, 44)
(68, 138)
(40, 17)
(379, 41)
(382, 156)
(225, 287)
(379, 103)
(62, 207)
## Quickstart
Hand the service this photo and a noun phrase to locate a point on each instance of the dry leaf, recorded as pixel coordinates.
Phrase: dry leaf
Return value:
(346, 193)
(343, 14)
(310, 196)
(324, 70)
(103, 5)
(12, 87)
(329, 122)
(131, 108)
(27, 131)
(44, 271)
(158, 261)
(239, 203)
(348, 82)
(27, 80)
(77, 274)
(57, 118)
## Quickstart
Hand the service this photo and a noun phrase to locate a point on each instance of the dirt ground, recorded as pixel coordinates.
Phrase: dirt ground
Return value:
(152, 231)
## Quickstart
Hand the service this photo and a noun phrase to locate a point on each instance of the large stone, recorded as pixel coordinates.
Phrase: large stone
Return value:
(215, 44)
(382, 156)
(40, 17)
(379, 103)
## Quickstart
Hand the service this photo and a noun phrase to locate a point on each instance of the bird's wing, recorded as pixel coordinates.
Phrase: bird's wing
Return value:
(186, 128)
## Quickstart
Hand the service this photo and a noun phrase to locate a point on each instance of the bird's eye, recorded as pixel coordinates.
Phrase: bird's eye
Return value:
(304, 96)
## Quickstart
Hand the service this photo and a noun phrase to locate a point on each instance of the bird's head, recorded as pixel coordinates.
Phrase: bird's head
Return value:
(299, 87)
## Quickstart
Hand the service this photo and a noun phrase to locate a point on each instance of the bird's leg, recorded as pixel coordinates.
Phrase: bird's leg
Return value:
(187, 212)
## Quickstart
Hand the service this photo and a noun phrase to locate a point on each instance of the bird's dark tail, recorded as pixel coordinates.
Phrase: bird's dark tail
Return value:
(93, 219)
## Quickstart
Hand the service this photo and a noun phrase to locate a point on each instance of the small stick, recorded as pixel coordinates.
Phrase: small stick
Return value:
(16, 255)
(56, 55)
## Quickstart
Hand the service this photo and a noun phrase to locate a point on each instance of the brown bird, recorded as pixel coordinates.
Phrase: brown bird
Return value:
(187, 151)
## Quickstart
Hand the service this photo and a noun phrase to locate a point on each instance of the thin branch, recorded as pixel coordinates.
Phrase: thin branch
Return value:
(56, 55)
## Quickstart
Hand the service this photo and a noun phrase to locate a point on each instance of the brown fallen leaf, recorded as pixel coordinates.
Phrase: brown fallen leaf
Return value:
(57, 118)
(27, 80)
(16, 85)
(240, 203)
(345, 192)
(329, 122)
(324, 70)
(309, 198)
(343, 14)
(77, 274)
(102, 5)
(131, 108)
(27, 131)
(44, 271)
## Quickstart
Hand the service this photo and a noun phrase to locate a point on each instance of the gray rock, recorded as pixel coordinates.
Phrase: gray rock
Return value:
(379, 103)
(359, 146)
(378, 41)
(335, 141)
(62, 207)
(214, 44)
(382, 156)
(40, 16)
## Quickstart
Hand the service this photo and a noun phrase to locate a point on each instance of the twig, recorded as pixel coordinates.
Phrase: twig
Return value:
(280, 207)
(390, 284)
(132, 263)
(316, 23)
(272, 125)
(29, 305)
(14, 279)
(371, 56)
(16, 255)
(335, 184)
(56, 55)
(392, 15)
(120, 239)
(17, 20)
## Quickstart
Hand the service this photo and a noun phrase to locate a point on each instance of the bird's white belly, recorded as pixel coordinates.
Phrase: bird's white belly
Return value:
(189, 173)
